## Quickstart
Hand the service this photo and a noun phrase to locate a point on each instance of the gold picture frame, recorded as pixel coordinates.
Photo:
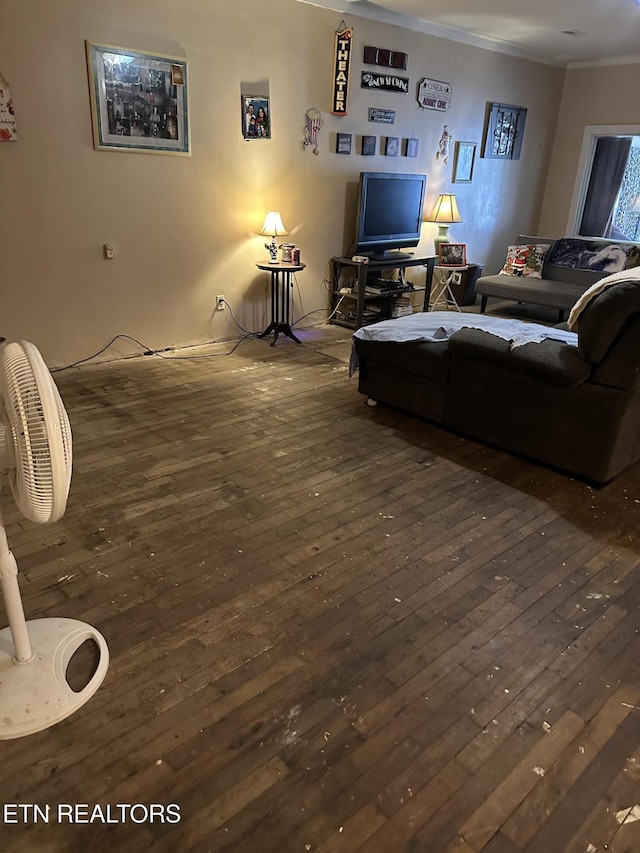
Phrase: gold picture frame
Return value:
(139, 101)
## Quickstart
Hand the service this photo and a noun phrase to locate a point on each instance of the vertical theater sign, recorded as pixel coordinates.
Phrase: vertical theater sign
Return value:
(341, 68)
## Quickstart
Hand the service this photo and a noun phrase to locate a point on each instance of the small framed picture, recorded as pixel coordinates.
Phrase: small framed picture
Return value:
(368, 145)
(411, 147)
(343, 143)
(392, 148)
(464, 161)
(452, 254)
(256, 117)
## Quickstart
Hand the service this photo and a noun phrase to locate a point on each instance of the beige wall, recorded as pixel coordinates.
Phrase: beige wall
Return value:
(606, 95)
(185, 229)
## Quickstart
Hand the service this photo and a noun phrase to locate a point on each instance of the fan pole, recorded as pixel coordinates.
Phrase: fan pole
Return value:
(13, 600)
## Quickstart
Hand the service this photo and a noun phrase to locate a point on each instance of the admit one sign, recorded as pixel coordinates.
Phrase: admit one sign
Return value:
(341, 68)
(434, 94)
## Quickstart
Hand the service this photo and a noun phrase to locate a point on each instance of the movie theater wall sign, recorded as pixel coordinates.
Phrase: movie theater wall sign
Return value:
(384, 82)
(341, 68)
(386, 58)
(434, 94)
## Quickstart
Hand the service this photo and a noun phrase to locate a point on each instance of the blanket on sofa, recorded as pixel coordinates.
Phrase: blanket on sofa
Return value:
(440, 325)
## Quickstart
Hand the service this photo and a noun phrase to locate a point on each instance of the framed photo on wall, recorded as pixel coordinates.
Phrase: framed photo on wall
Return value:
(343, 143)
(368, 145)
(505, 130)
(411, 147)
(256, 117)
(138, 101)
(452, 254)
(392, 148)
(465, 156)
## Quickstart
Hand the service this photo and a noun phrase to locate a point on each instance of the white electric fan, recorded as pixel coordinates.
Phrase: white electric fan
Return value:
(35, 455)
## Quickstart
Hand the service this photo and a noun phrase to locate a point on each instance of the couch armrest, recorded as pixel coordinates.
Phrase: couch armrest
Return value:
(549, 361)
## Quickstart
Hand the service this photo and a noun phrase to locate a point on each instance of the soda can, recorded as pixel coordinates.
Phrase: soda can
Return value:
(286, 252)
(295, 256)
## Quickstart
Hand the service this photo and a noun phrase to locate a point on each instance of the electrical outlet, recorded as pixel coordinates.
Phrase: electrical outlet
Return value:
(109, 251)
(220, 302)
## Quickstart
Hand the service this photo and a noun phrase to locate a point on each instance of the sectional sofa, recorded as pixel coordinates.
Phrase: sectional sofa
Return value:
(567, 399)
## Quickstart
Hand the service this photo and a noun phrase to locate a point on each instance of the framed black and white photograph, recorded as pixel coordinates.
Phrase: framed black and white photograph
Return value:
(138, 101)
(392, 147)
(452, 254)
(465, 156)
(505, 131)
(343, 143)
(368, 145)
(411, 147)
(256, 117)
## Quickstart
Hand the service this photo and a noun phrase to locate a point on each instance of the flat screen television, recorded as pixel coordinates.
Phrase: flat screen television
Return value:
(389, 213)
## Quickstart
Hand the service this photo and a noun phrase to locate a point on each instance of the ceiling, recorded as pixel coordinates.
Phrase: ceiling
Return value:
(559, 32)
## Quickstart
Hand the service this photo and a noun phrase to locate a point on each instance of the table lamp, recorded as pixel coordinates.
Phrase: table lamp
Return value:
(273, 227)
(445, 211)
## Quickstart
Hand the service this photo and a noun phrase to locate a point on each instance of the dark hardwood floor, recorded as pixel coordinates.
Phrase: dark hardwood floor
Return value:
(332, 627)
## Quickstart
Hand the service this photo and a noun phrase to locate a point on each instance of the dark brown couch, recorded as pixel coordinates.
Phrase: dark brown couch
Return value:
(573, 408)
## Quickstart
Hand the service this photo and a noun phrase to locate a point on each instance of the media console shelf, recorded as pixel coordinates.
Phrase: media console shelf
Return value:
(358, 286)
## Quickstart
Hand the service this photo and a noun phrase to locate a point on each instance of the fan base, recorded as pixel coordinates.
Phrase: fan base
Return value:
(35, 695)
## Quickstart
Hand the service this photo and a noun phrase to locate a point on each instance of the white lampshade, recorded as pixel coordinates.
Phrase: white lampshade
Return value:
(445, 210)
(273, 225)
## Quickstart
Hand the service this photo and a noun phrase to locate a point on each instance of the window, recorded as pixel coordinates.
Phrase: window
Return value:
(607, 197)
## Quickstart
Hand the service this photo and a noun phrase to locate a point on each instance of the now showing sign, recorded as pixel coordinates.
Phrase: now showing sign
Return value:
(386, 82)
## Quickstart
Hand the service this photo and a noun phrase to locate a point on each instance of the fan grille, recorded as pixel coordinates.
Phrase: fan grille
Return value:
(40, 432)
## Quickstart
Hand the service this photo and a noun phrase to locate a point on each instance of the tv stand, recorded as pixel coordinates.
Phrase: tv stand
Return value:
(391, 255)
(353, 304)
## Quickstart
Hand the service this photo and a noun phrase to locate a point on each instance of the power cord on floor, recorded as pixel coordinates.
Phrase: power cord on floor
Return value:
(162, 354)
(173, 357)
(242, 329)
(315, 311)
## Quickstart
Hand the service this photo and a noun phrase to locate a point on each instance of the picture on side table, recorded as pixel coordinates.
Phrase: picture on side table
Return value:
(452, 254)
(138, 101)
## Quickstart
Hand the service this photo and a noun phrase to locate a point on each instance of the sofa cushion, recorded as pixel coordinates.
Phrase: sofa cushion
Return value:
(617, 369)
(429, 359)
(549, 361)
(525, 260)
(604, 318)
(539, 291)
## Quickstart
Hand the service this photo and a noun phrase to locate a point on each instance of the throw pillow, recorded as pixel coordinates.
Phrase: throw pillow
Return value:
(525, 260)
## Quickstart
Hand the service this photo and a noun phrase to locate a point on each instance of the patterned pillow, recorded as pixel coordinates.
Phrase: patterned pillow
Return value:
(525, 260)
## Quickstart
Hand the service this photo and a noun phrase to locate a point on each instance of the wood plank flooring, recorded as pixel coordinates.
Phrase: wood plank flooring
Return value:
(332, 627)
